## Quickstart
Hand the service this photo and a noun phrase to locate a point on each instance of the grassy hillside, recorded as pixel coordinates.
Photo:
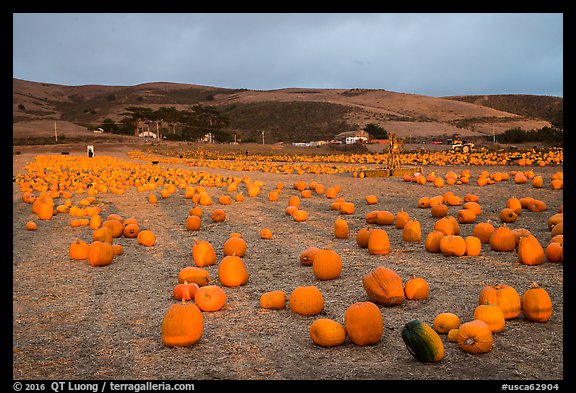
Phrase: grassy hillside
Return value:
(531, 106)
(290, 115)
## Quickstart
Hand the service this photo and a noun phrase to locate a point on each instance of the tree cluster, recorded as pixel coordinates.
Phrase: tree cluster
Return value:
(548, 135)
(187, 124)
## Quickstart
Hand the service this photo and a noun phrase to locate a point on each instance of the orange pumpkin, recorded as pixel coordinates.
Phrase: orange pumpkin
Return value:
(453, 245)
(218, 215)
(275, 300)
(508, 215)
(401, 219)
(131, 230)
(362, 237)
(503, 295)
(100, 253)
(466, 216)
(340, 228)
(193, 223)
(210, 298)
(432, 241)
(203, 253)
(146, 238)
(235, 245)
(185, 291)
(265, 233)
(446, 321)
(102, 234)
(78, 250)
(491, 314)
(327, 265)
(530, 251)
(412, 231)
(502, 239)
(483, 231)
(116, 227)
(416, 288)
(193, 274)
(384, 286)
(536, 304)
(306, 257)
(474, 337)
(232, 271)
(473, 246)
(326, 332)
(438, 211)
(555, 252)
(306, 300)
(364, 323)
(31, 226)
(182, 325)
(378, 242)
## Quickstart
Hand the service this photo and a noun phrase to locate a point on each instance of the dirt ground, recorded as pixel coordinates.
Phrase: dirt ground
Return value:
(75, 321)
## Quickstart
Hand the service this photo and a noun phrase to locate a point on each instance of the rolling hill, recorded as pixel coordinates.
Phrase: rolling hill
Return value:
(289, 115)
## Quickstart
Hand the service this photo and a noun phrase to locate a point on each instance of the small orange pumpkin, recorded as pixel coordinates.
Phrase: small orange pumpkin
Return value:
(306, 257)
(210, 298)
(416, 288)
(326, 332)
(78, 250)
(146, 238)
(275, 300)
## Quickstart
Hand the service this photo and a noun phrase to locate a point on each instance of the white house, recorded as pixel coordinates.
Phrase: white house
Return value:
(147, 134)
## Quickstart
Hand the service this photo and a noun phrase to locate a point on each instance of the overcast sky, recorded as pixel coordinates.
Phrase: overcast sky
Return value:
(432, 54)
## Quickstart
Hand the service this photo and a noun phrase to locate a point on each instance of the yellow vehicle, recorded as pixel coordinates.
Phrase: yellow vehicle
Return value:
(456, 145)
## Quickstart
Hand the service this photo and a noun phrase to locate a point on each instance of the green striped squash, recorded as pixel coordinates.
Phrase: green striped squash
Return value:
(423, 342)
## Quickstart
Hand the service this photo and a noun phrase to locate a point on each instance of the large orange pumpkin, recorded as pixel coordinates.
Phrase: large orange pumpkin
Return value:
(306, 300)
(232, 271)
(475, 337)
(384, 286)
(100, 253)
(203, 253)
(502, 295)
(536, 304)
(530, 251)
(182, 325)
(327, 265)
(364, 323)
(378, 242)
(235, 245)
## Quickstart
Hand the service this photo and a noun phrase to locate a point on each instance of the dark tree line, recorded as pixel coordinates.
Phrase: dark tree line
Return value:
(187, 124)
(549, 135)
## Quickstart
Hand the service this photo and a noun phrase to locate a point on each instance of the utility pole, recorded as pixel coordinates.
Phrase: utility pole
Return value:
(55, 133)
(262, 137)
(493, 135)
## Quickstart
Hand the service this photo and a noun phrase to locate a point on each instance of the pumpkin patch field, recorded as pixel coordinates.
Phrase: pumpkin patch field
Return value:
(136, 266)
